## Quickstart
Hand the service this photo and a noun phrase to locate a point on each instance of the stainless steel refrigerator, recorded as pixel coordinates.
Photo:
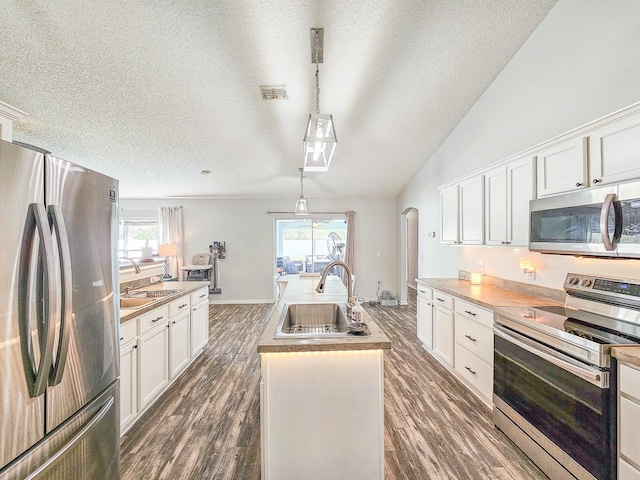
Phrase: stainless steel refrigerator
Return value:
(58, 332)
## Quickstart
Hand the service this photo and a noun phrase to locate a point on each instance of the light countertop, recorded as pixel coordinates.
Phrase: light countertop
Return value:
(486, 296)
(185, 288)
(628, 355)
(302, 290)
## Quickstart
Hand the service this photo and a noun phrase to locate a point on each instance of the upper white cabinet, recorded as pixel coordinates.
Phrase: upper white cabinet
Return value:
(562, 167)
(462, 212)
(614, 152)
(508, 190)
(450, 215)
(491, 206)
(472, 211)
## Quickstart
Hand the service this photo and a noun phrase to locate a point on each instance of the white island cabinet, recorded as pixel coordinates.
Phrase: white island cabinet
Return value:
(322, 414)
(321, 399)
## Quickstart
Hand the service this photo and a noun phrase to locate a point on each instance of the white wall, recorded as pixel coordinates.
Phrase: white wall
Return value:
(246, 272)
(581, 63)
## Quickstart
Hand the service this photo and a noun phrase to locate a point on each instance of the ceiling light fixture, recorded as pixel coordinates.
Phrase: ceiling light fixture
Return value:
(302, 205)
(320, 137)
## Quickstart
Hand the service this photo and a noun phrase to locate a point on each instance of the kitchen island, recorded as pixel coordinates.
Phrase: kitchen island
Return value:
(321, 399)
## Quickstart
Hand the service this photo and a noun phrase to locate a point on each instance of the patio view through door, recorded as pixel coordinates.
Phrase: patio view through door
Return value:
(308, 245)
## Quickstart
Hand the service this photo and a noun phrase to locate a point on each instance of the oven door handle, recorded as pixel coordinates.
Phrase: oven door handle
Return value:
(596, 377)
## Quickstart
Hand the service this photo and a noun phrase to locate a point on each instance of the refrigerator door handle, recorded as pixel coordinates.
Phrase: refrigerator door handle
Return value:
(75, 439)
(46, 297)
(56, 220)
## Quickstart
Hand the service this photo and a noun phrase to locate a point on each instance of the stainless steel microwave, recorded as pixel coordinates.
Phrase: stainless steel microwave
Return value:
(602, 222)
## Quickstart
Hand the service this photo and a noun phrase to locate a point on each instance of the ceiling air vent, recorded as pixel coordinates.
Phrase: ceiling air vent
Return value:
(274, 92)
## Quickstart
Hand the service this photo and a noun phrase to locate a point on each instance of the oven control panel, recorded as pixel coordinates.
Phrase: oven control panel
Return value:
(603, 287)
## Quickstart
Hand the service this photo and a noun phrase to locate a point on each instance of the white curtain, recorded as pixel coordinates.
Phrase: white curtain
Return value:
(349, 253)
(172, 233)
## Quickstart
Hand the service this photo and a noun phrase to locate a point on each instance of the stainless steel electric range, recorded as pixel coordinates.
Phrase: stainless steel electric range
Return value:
(555, 380)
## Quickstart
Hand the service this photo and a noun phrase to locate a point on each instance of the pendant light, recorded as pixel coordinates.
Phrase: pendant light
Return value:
(320, 136)
(302, 205)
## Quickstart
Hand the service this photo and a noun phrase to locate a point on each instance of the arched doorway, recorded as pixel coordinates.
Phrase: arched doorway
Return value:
(408, 252)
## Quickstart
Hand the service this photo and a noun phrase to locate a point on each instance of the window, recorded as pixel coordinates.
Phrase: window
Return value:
(136, 234)
(309, 245)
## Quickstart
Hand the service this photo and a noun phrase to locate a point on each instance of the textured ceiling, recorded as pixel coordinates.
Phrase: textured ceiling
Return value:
(154, 91)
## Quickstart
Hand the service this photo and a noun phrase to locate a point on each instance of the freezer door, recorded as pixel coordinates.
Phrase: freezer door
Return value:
(82, 207)
(85, 447)
(21, 416)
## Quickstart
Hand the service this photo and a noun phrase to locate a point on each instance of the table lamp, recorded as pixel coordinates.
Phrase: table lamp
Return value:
(166, 251)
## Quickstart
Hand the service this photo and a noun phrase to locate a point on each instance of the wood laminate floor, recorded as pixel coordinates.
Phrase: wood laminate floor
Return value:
(207, 425)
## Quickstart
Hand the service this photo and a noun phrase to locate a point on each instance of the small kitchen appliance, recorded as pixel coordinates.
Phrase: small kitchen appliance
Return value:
(602, 222)
(555, 380)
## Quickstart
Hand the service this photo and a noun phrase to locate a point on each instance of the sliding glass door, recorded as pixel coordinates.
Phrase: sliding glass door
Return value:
(308, 245)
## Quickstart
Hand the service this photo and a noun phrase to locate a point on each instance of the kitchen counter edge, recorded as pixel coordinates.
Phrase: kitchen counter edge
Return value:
(186, 288)
(629, 355)
(486, 296)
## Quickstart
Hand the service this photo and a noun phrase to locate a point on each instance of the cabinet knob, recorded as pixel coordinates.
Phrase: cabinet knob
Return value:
(597, 180)
(470, 313)
(471, 338)
(579, 184)
(135, 346)
(470, 370)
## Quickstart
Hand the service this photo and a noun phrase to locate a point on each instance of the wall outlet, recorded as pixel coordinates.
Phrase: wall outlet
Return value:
(154, 279)
(481, 266)
(378, 254)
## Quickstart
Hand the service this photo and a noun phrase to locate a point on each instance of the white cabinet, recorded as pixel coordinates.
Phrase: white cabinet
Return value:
(199, 321)
(179, 344)
(474, 347)
(156, 347)
(153, 363)
(443, 327)
(508, 190)
(472, 211)
(462, 212)
(425, 316)
(628, 423)
(128, 383)
(450, 215)
(179, 332)
(462, 339)
(614, 152)
(562, 167)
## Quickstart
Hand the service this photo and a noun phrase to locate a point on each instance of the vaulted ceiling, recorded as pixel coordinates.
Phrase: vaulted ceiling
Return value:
(153, 92)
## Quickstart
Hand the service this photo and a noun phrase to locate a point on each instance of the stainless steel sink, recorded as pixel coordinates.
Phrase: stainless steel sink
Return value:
(314, 320)
(151, 293)
(135, 302)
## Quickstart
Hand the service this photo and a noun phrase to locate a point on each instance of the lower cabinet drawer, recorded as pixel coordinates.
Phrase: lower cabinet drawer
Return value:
(474, 371)
(180, 305)
(442, 300)
(199, 296)
(128, 331)
(474, 337)
(152, 319)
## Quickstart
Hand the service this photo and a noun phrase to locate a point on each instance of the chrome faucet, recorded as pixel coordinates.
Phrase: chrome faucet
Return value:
(351, 300)
(136, 268)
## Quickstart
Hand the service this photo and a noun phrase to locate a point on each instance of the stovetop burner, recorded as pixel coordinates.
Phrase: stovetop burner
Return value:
(590, 322)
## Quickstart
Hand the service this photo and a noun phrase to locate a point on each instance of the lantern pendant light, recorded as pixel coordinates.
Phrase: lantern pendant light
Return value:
(302, 205)
(320, 136)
